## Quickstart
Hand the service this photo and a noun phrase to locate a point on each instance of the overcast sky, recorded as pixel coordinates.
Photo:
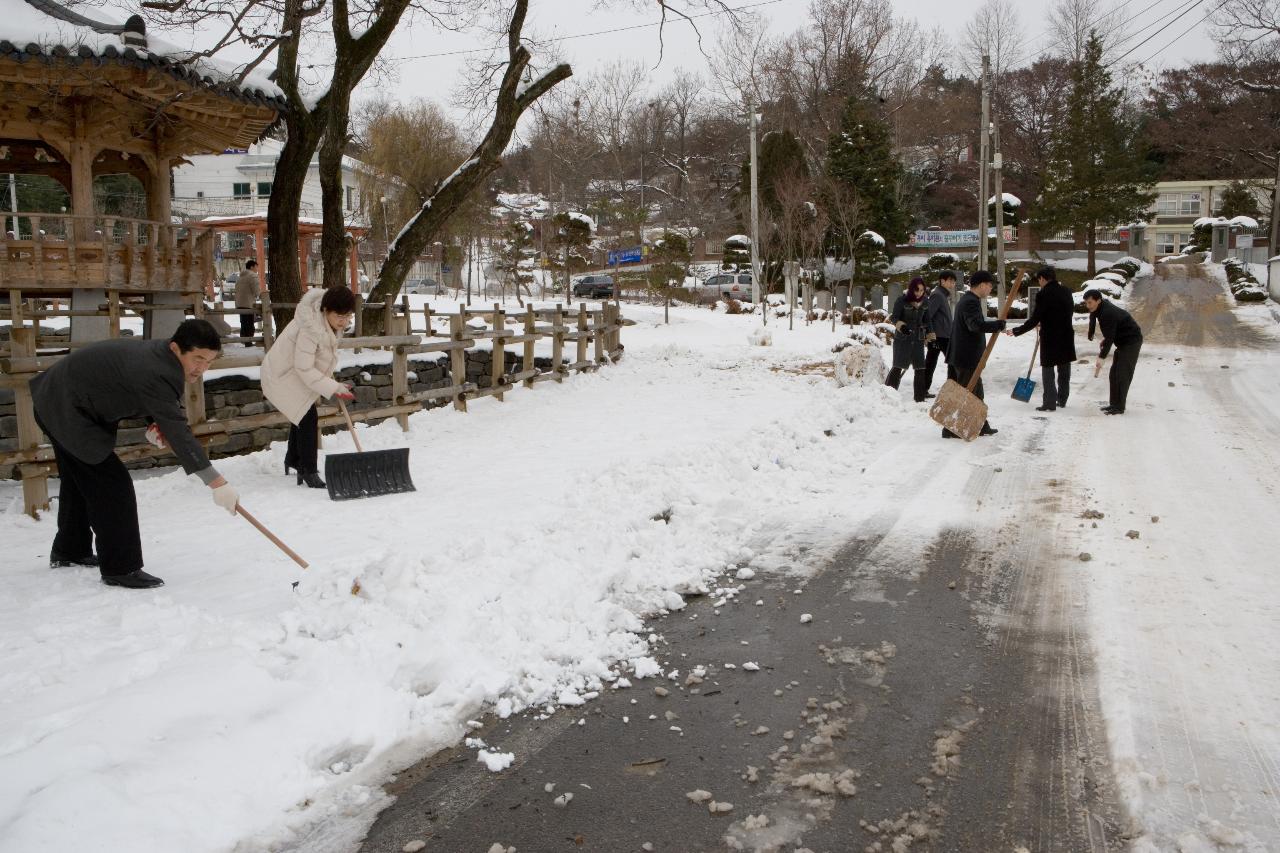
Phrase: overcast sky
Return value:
(430, 75)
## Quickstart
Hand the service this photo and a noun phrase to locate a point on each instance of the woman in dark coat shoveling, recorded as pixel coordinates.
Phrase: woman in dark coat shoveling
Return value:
(908, 343)
(1053, 315)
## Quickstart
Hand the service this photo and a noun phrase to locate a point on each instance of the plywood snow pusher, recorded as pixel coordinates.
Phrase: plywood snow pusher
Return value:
(366, 474)
(957, 408)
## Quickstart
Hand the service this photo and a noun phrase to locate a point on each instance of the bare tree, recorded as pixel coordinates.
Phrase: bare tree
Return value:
(517, 92)
(1070, 22)
(1248, 31)
(995, 31)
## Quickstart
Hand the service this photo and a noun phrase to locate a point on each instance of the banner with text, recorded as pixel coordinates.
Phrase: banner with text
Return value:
(956, 239)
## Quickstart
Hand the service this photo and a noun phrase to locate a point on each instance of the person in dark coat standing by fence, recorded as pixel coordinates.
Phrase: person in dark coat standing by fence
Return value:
(937, 326)
(247, 292)
(908, 343)
(1120, 330)
(969, 338)
(79, 403)
(1053, 312)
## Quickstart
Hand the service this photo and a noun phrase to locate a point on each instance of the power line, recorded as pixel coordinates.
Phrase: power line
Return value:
(676, 19)
(1183, 33)
(1170, 23)
(1062, 41)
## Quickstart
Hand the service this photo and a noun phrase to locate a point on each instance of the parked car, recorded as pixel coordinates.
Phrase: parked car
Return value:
(594, 287)
(424, 286)
(229, 286)
(729, 285)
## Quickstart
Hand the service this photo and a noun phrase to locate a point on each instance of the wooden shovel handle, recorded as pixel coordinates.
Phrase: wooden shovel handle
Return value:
(350, 425)
(240, 510)
(1034, 352)
(991, 344)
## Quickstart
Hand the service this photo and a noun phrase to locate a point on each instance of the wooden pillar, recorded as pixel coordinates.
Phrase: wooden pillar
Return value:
(583, 335)
(161, 324)
(458, 359)
(35, 481)
(304, 271)
(400, 383)
(81, 151)
(498, 366)
(530, 328)
(557, 343)
(260, 251)
(353, 265)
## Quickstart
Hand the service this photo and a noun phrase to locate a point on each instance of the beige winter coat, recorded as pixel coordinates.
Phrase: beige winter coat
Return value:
(247, 289)
(298, 369)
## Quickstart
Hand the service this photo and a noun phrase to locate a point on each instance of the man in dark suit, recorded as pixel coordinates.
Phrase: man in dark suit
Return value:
(79, 403)
(1053, 314)
(937, 325)
(969, 338)
(1119, 329)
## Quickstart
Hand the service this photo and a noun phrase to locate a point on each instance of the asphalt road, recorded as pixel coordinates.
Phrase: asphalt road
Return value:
(943, 707)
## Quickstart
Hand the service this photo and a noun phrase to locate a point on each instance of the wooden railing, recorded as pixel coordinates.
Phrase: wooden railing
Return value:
(58, 252)
(581, 340)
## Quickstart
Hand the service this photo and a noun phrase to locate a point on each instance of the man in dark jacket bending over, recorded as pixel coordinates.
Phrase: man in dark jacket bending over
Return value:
(1053, 314)
(1122, 331)
(969, 338)
(79, 403)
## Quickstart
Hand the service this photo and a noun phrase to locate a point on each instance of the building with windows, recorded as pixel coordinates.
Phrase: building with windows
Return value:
(238, 182)
(1179, 204)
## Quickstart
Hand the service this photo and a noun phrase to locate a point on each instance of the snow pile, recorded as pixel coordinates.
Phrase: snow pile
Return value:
(859, 363)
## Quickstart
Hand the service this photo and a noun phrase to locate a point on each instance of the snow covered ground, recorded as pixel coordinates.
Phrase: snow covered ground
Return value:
(231, 711)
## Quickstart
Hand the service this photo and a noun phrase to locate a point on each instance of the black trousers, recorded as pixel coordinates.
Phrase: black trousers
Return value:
(1123, 363)
(96, 501)
(962, 375)
(1055, 381)
(304, 443)
(246, 325)
(933, 352)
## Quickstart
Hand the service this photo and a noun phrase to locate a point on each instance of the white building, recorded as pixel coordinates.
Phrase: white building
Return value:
(1179, 204)
(238, 182)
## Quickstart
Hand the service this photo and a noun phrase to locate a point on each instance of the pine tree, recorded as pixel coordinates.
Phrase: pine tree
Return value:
(1098, 174)
(514, 260)
(861, 163)
(573, 239)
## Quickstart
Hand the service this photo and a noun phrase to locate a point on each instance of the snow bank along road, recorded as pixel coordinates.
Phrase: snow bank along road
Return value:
(1044, 702)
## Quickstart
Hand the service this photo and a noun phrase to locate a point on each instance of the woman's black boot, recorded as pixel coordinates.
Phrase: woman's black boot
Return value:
(310, 478)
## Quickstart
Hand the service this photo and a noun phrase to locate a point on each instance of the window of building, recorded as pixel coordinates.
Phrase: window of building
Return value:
(264, 189)
(351, 198)
(199, 193)
(240, 190)
(1178, 204)
(1166, 244)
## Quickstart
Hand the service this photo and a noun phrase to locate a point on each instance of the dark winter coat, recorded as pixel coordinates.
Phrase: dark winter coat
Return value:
(968, 333)
(937, 313)
(1118, 327)
(908, 343)
(81, 400)
(1053, 314)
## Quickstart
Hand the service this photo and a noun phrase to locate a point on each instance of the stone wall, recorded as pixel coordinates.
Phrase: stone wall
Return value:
(231, 396)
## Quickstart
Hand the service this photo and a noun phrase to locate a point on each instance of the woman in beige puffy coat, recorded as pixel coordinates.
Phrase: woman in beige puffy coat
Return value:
(298, 371)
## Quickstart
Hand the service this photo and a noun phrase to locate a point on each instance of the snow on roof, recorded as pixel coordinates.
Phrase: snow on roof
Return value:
(1234, 222)
(46, 28)
(1009, 199)
(873, 237)
(738, 240)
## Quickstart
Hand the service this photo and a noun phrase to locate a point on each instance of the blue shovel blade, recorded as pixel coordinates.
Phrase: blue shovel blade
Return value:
(1024, 388)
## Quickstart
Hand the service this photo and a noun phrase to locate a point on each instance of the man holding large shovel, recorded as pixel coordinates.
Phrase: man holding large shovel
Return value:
(959, 408)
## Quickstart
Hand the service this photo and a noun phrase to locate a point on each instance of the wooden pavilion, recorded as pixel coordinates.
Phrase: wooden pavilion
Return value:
(80, 98)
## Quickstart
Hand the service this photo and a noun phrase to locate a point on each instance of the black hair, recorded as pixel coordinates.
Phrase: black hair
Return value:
(951, 274)
(1093, 294)
(1047, 273)
(980, 277)
(339, 300)
(251, 264)
(196, 334)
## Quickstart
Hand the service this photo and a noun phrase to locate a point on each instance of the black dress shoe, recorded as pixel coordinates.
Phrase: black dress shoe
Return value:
(930, 396)
(946, 433)
(988, 429)
(59, 562)
(1112, 411)
(134, 580)
(311, 478)
(1046, 408)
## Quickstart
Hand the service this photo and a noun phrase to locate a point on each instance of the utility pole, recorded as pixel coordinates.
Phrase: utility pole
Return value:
(983, 183)
(752, 120)
(998, 193)
(17, 235)
(1272, 250)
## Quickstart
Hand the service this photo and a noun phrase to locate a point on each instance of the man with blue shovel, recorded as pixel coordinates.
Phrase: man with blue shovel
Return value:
(1053, 315)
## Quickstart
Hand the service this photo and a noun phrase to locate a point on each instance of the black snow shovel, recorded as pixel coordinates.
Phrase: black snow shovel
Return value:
(366, 475)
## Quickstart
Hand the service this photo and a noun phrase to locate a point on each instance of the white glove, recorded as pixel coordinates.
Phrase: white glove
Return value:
(156, 437)
(226, 497)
